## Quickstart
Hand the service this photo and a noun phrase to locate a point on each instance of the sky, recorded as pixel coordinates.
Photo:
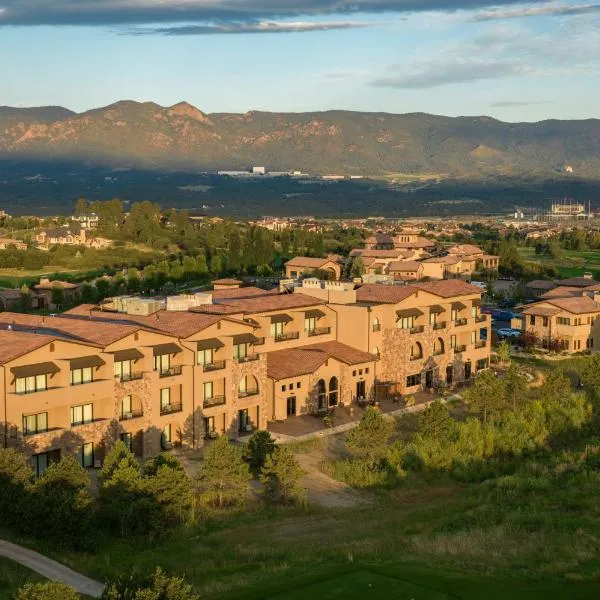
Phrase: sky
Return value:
(515, 61)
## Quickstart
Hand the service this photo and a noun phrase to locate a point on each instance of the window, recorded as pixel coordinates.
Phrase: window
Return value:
(473, 337)
(126, 406)
(432, 318)
(376, 325)
(353, 373)
(127, 439)
(453, 341)
(298, 385)
(79, 376)
(40, 462)
(276, 329)
(563, 320)
(165, 397)
(205, 357)
(482, 363)
(28, 385)
(405, 322)
(86, 455)
(360, 371)
(162, 362)
(454, 314)
(208, 390)
(413, 380)
(35, 423)
(84, 413)
(532, 320)
(473, 311)
(165, 438)
(240, 351)
(367, 371)
(283, 388)
(545, 321)
(122, 369)
(310, 324)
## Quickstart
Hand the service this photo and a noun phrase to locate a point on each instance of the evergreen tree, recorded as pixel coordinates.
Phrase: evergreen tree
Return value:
(224, 477)
(515, 386)
(487, 396)
(435, 422)
(16, 476)
(368, 441)
(281, 475)
(260, 446)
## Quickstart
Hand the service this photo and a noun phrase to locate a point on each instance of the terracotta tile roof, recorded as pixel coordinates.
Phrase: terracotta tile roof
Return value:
(420, 242)
(577, 282)
(303, 361)
(86, 330)
(377, 253)
(449, 288)
(16, 343)
(542, 311)
(50, 285)
(243, 292)
(403, 266)
(580, 305)
(465, 249)
(227, 281)
(307, 261)
(541, 284)
(179, 324)
(380, 238)
(383, 294)
(445, 260)
(266, 303)
(562, 291)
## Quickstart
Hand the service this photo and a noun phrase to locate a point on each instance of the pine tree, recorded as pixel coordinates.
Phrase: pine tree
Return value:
(224, 477)
(368, 441)
(260, 446)
(281, 475)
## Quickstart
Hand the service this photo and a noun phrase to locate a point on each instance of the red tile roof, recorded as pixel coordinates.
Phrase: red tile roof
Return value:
(449, 288)
(383, 294)
(14, 344)
(307, 261)
(266, 303)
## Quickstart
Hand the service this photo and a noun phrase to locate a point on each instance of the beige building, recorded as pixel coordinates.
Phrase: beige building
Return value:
(45, 288)
(6, 243)
(301, 265)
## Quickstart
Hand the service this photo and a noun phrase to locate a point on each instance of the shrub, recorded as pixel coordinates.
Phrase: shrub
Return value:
(260, 446)
(281, 476)
(159, 586)
(16, 477)
(47, 591)
(368, 441)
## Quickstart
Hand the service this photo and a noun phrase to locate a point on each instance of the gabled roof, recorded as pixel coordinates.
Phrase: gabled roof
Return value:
(243, 292)
(294, 362)
(579, 305)
(307, 261)
(383, 294)
(541, 284)
(581, 282)
(403, 266)
(542, 311)
(449, 288)
(562, 291)
(260, 304)
(14, 344)
(465, 249)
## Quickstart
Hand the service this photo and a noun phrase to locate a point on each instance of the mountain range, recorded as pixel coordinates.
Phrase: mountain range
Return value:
(146, 135)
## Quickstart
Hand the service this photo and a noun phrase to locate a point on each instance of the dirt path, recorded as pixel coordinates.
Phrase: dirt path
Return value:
(322, 489)
(51, 569)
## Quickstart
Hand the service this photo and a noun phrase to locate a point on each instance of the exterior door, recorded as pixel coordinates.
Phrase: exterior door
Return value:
(291, 406)
(243, 419)
(429, 379)
(467, 370)
(449, 374)
(361, 389)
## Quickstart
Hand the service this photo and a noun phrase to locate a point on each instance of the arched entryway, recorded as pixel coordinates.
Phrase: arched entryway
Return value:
(322, 394)
(333, 391)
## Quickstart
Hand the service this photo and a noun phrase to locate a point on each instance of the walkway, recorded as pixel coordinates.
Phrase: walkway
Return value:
(51, 569)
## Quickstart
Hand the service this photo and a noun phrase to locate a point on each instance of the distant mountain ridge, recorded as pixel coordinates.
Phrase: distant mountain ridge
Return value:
(147, 135)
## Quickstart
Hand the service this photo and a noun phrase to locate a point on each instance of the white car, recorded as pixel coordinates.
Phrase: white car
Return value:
(480, 284)
(508, 332)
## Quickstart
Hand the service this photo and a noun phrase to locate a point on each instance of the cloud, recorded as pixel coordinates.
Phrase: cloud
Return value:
(500, 52)
(555, 10)
(146, 12)
(517, 103)
(261, 27)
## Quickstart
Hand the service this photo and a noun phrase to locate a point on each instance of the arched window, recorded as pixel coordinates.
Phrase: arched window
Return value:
(322, 394)
(416, 351)
(438, 346)
(248, 386)
(333, 391)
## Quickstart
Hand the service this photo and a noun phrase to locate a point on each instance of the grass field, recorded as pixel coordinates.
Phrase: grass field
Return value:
(573, 264)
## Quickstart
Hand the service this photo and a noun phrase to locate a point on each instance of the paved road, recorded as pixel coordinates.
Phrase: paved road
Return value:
(51, 569)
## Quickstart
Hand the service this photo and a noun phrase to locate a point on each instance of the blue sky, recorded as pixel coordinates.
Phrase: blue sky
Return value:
(512, 60)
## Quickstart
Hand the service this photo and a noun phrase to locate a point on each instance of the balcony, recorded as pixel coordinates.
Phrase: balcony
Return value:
(169, 409)
(245, 359)
(460, 322)
(284, 337)
(440, 325)
(319, 331)
(259, 341)
(130, 376)
(480, 344)
(459, 349)
(214, 401)
(170, 372)
(417, 329)
(480, 318)
(247, 393)
(217, 365)
(134, 414)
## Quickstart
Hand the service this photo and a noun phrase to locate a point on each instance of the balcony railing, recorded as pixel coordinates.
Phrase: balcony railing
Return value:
(130, 376)
(247, 393)
(480, 344)
(245, 359)
(283, 337)
(168, 409)
(319, 331)
(217, 365)
(460, 322)
(440, 325)
(417, 329)
(170, 371)
(459, 349)
(214, 401)
(134, 414)
(26, 392)
(480, 318)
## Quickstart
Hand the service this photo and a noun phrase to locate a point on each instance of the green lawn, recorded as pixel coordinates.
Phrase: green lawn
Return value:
(12, 577)
(573, 264)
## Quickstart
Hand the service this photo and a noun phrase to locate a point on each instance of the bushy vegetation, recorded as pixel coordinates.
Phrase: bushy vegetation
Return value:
(47, 591)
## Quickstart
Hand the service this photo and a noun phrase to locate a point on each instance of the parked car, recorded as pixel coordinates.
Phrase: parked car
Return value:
(508, 332)
(504, 315)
